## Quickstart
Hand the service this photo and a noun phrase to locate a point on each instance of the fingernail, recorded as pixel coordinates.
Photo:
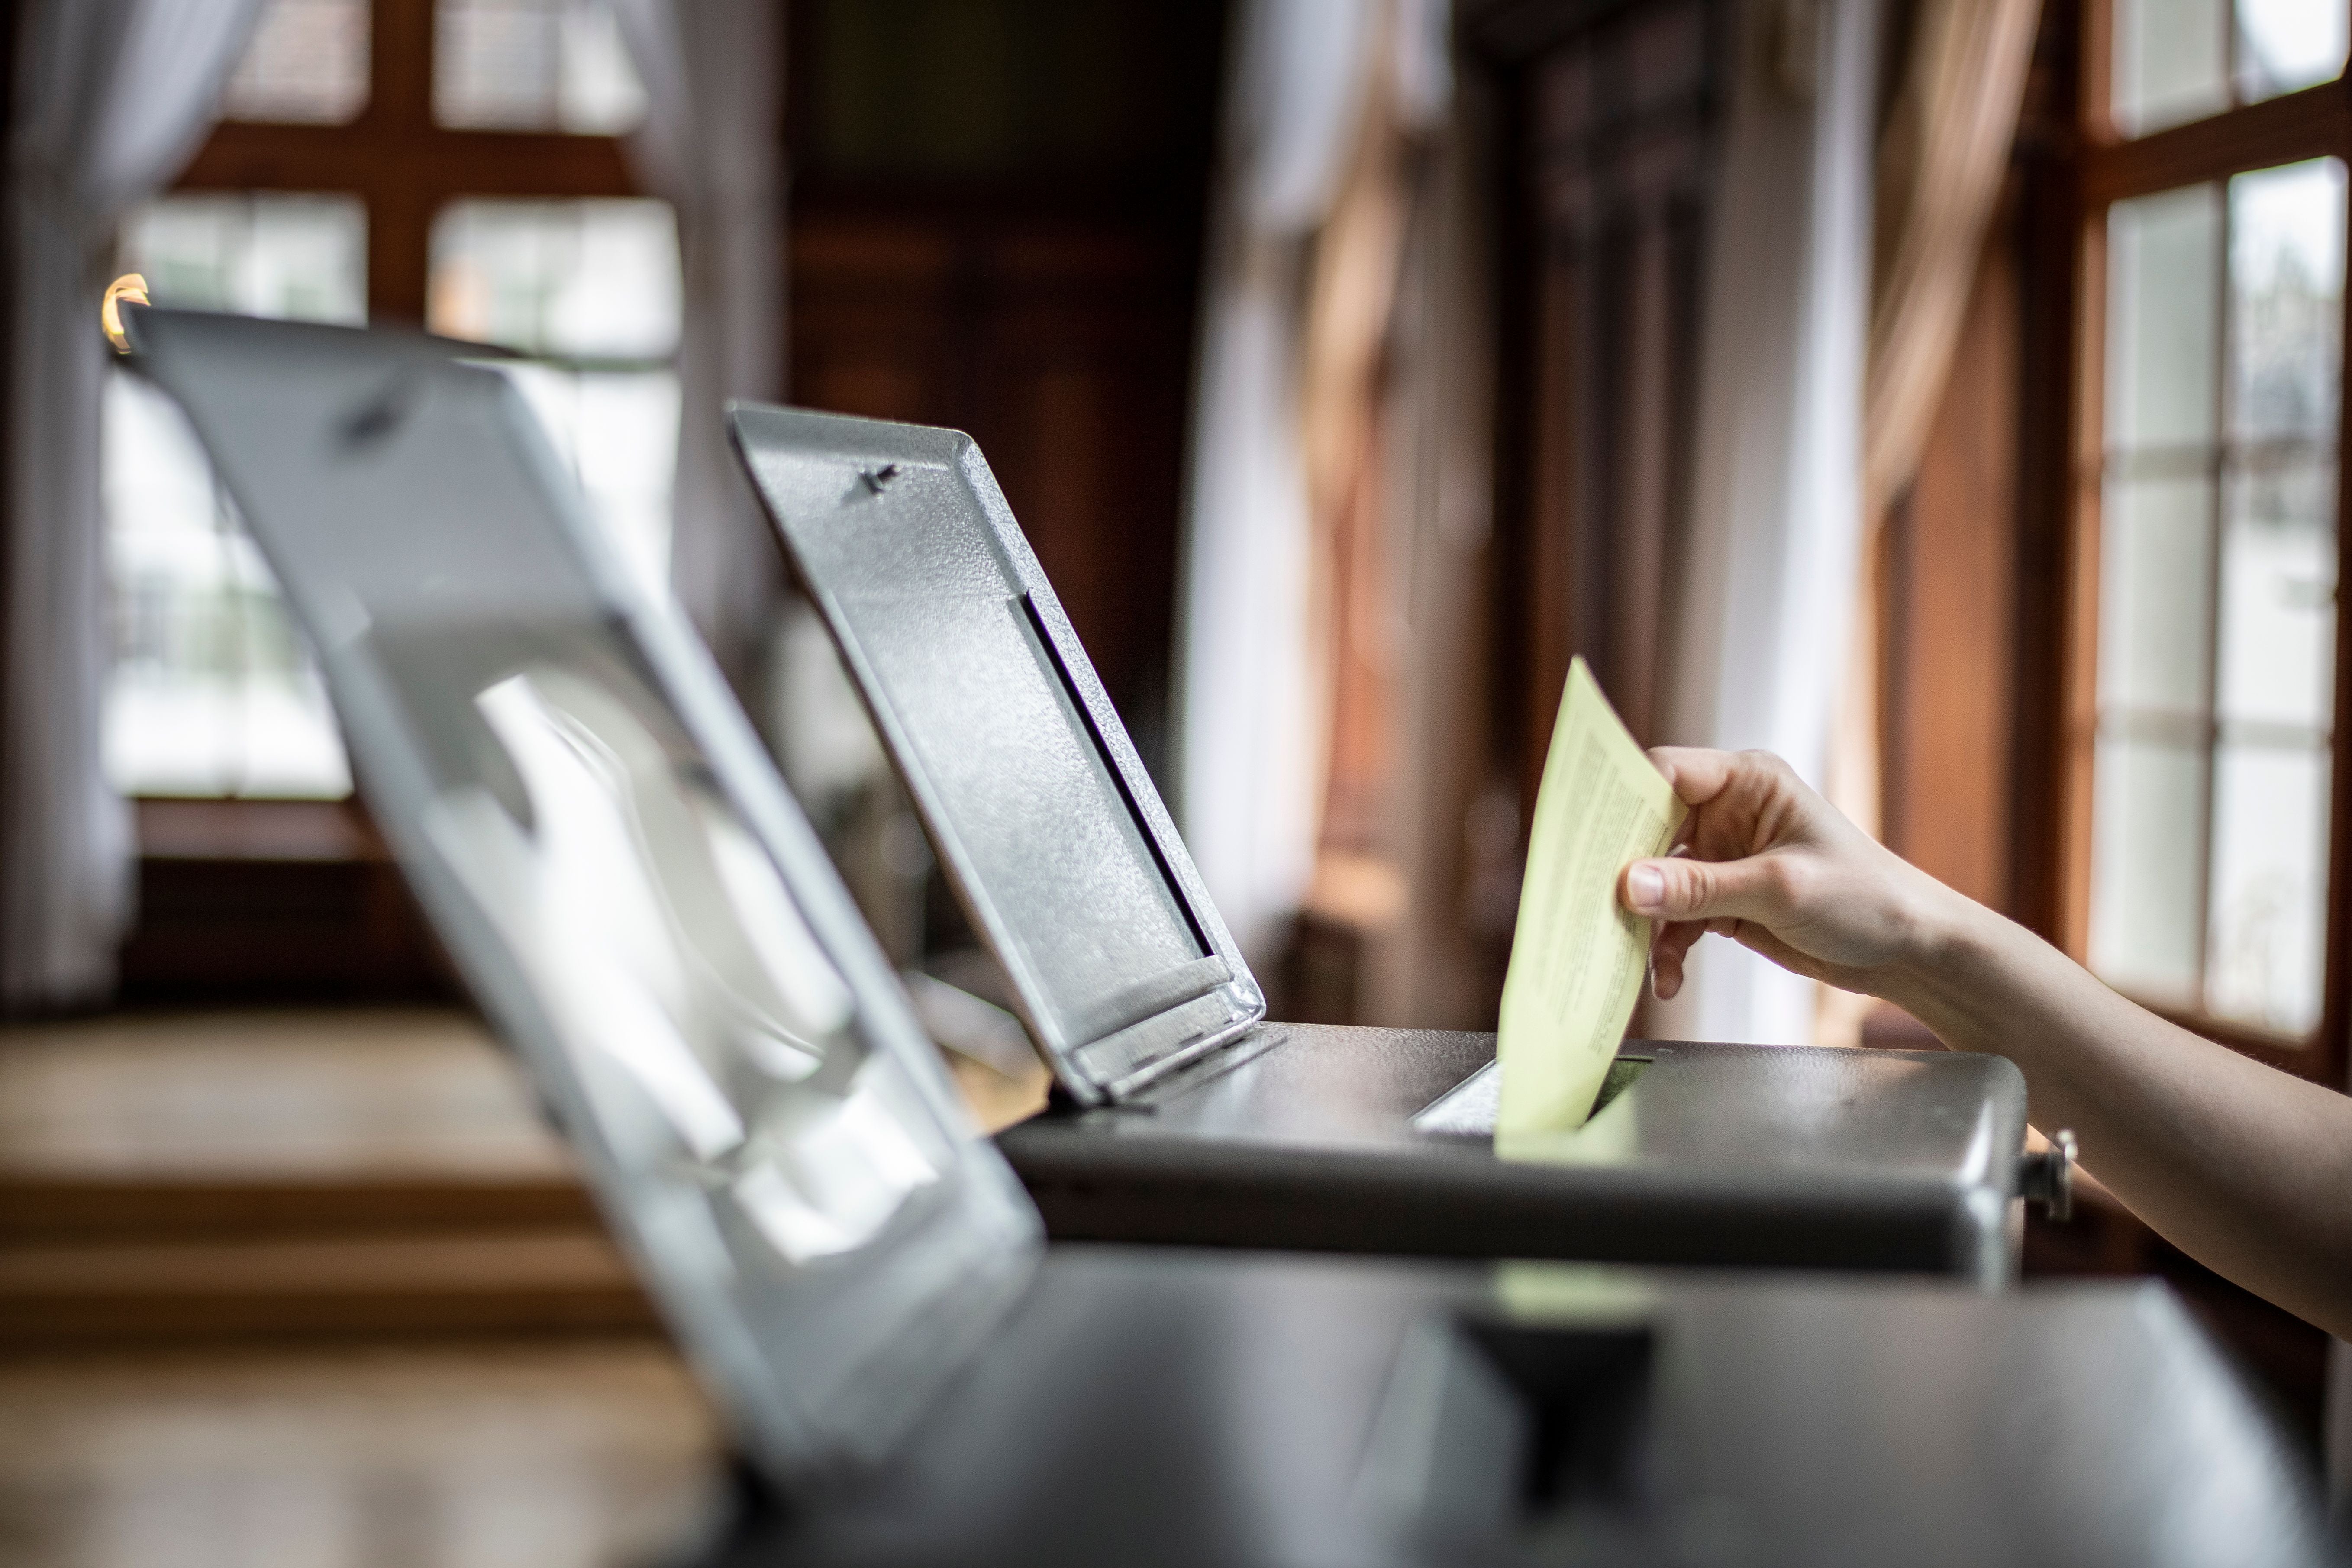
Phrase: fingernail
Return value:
(1644, 889)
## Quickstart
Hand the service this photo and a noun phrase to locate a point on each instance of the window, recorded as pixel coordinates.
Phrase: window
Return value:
(2178, 60)
(2208, 515)
(450, 164)
(592, 286)
(212, 693)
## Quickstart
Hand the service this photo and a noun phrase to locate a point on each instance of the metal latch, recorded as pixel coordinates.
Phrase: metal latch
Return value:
(2047, 1177)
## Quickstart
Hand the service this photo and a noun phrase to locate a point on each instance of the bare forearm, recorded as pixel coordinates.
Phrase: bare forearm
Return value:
(2247, 1169)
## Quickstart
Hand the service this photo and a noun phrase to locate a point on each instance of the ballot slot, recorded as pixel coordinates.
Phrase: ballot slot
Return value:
(1490, 1430)
(1468, 1110)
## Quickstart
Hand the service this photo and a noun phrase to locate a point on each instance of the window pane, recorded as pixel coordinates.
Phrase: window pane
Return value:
(2164, 295)
(593, 281)
(307, 64)
(2287, 291)
(295, 257)
(2173, 59)
(2169, 65)
(2270, 885)
(211, 691)
(2155, 563)
(2147, 813)
(2283, 45)
(575, 279)
(533, 65)
(2277, 652)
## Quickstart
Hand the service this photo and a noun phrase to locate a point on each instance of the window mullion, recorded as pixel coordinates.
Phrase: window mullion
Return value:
(2216, 521)
(2335, 981)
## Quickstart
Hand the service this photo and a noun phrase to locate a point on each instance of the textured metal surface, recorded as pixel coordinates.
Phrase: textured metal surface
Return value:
(998, 724)
(607, 851)
(1170, 1408)
(964, 671)
(1775, 1157)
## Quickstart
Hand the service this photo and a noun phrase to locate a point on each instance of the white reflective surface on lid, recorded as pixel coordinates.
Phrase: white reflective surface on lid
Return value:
(709, 1028)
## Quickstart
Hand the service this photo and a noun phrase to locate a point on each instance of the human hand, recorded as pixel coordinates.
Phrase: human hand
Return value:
(1773, 866)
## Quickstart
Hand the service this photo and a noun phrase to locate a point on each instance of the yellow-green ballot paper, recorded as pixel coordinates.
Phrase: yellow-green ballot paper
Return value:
(1577, 956)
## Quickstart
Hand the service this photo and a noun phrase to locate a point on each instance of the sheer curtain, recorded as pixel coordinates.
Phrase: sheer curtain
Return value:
(1940, 162)
(111, 97)
(712, 147)
(1775, 528)
(1251, 722)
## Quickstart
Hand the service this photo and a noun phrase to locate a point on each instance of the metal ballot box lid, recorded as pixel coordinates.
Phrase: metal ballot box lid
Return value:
(1218, 1127)
(595, 830)
(993, 714)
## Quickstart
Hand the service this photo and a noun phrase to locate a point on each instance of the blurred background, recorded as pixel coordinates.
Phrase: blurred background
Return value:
(1945, 394)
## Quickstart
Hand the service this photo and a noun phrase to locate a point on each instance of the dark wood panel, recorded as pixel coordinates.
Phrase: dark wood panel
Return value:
(997, 225)
(1064, 350)
(2042, 232)
(248, 900)
(1952, 595)
(364, 157)
(1611, 157)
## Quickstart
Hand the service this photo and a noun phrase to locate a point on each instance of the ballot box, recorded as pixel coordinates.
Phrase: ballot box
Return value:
(1181, 1114)
(910, 1373)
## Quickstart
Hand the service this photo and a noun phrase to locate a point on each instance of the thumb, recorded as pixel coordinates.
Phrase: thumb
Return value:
(1753, 888)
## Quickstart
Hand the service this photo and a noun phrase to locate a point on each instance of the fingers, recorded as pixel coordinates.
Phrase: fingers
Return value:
(1670, 957)
(1796, 960)
(1699, 773)
(1667, 955)
(1757, 888)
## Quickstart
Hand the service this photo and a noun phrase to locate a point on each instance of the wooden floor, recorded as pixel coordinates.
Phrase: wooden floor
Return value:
(375, 1091)
(317, 1290)
(514, 1456)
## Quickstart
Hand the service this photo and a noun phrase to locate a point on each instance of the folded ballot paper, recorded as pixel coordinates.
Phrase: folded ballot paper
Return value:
(1577, 957)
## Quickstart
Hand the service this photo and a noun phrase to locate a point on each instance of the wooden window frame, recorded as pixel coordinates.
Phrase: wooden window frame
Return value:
(2313, 123)
(403, 168)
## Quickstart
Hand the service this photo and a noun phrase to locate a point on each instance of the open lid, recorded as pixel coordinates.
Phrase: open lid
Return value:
(1050, 829)
(590, 822)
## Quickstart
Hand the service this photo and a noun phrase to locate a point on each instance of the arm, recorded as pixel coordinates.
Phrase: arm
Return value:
(2247, 1169)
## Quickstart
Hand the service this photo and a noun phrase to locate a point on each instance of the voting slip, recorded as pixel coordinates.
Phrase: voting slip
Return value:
(1577, 957)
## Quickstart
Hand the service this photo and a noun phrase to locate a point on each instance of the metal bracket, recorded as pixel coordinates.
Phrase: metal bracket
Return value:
(2047, 1178)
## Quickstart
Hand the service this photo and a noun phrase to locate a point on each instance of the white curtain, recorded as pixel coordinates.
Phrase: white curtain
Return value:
(1250, 727)
(712, 148)
(1758, 653)
(112, 98)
